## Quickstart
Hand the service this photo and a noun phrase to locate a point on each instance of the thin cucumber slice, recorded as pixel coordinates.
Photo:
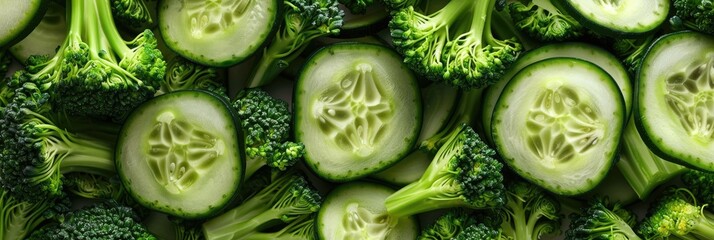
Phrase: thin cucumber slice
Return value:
(202, 30)
(558, 124)
(591, 53)
(175, 149)
(357, 110)
(46, 37)
(675, 99)
(618, 18)
(19, 17)
(356, 210)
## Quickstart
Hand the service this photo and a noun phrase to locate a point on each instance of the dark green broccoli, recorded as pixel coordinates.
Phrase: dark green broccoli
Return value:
(286, 200)
(182, 74)
(186, 230)
(357, 6)
(134, 14)
(399, 4)
(676, 214)
(35, 151)
(5, 61)
(544, 21)
(449, 225)
(462, 174)
(93, 186)
(455, 44)
(631, 51)
(302, 228)
(20, 218)
(481, 232)
(303, 21)
(105, 220)
(95, 72)
(604, 220)
(693, 14)
(701, 184)
(529, 213)
(266, 123)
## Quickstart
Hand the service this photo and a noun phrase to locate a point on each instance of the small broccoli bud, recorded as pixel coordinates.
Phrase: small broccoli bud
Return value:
(677, 214)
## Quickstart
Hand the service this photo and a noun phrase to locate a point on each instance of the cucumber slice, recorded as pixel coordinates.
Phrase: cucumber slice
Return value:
(357, 25)
(407, 170)
(558, 124)
(200, 30)
(584, 51)
(618, 18)
(181, 153)
(19, 18)
(675, 99)
(356, 210)
(46, 37)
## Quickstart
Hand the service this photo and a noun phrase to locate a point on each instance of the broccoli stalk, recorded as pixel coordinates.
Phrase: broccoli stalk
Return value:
(481, 232)
(182, 74)
(701, 184)
(454, 44)
(469, 103)
(631, 51)
(693, 14)
(462, 174)
(603, 220)
(302, 228)
(285, 200)
(304, 20)
(266, 122)
(529, 213)
(677, 214)
(19, 218)
(357, 6)
(544, 21)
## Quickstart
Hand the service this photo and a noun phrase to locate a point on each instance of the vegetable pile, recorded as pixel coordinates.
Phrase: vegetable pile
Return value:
(357, 119)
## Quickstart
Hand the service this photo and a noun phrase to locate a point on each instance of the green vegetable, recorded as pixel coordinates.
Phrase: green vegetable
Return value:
(134, 14)
(357, 6)
(602, 219)
(449, 225)
(529, 212)
(19, 17)
(693, 14)
(20, 218)
(480, 232)
(676, 214)
(544, 21)
(46, 37)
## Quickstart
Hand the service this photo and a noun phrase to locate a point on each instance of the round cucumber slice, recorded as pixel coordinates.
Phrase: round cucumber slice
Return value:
(19, 18)
(200, 30)
(181, 154)
(675, 99)
(46, 37)
(591, 53)
(619, 18)
(356, 210)
(357, 110)
(558, 124)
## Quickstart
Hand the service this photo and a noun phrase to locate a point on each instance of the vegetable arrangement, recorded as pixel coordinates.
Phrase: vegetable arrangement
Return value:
(357, 119)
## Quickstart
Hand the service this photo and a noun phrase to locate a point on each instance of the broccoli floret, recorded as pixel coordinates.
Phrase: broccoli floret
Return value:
(542, 20)
(105, 220)
(35, 151)
(95, 72)
(602, 220)
(480, 232)
(693, 14)
(449, 225)
(468, 105)
(186, 230)
(677, 214)
(251, 186)
(455, 44)
(303, 21)
(286, 200)
(357, 6)
(134, 14)
(701, 184)
(266, 123)
(631, 51)
(93, 186)
(529, 213)
(462, 174)
(20, 218)
(182, 74)
(5, 61)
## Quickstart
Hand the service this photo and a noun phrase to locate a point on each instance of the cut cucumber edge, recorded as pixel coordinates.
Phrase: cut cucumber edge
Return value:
(626, 28)
(23, 25)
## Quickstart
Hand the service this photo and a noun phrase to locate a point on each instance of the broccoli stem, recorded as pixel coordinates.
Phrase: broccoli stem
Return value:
(112, 34)
(704, 229)
(469, 105)
(518, 217)
(252, 165)
(268, 68)
(419, 197)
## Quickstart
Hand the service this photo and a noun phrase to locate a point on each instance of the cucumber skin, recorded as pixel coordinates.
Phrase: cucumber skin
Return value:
(596, 27)
(31, 24)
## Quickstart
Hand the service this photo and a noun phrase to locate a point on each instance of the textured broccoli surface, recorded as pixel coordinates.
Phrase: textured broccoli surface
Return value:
(19, 218)
(543, 21)
(529, 213)
(693, 14)
(182, 74)
(134, 14)
(676, 214)
(701, 184)
(602, 219)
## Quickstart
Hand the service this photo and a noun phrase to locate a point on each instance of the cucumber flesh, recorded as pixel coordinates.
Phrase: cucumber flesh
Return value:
(619, 18)
(356, 210)
(200, 30)
(558, 123)
(19, 18)
(181, 154)
(675, 98)
(46, 37)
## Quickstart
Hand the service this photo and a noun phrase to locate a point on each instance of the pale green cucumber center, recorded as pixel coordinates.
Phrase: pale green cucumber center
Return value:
(354, 112)
(561, 125)
(361, 223)
(210, 17)
(180, 153)
(610, 5)
(690, 95)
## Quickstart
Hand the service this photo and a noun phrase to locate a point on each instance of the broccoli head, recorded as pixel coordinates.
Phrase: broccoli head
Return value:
(286, 200)
(449, 225)
(182, 74)
(480, 232)
(543, 21)
(602, 220)
(105, 220)
(676, 214)
(454, 44)
(266, 122)
(529, 213)
(134, 14)
(693, 14)
(357, 6)
(462, 174)
(20, 218)
(701, 184)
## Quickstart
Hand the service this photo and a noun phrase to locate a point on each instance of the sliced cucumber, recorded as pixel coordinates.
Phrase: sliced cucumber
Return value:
(618, 18)
(407, 170)
(675, 99)
(181, 153)
(357, 110)
(46, 37)
(356, 210)
(558, 124)
(201, 30)
(584, 51)
(19, 18)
